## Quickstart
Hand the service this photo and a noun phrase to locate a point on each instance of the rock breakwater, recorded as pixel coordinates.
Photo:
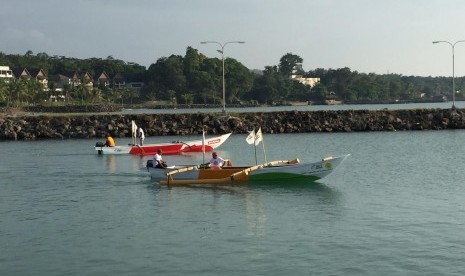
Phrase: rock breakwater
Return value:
(96, 126)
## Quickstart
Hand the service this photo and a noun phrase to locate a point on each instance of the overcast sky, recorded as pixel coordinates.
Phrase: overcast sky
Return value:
(368, 36)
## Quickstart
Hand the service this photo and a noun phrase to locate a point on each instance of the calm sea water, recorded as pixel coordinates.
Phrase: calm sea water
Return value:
(394, 207)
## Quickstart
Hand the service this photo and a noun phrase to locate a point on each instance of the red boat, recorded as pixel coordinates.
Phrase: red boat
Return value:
(175, 147)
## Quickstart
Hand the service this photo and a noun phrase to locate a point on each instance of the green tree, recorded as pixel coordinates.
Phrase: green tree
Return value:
(131, 94)
(95, 95)
(191, 61)
(319, 92)
(188, 98)
(271, 87)
(172, 97)
(168, 74)
(202, 84)
(212, 76)
(149, 92)
(290, 63)
(239, 80)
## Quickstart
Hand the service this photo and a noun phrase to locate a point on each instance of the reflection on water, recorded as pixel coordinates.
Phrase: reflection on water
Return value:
(254, 213)
(255, 198)
(138, 162)
(111, 163)
(310, 196)
(115, 163)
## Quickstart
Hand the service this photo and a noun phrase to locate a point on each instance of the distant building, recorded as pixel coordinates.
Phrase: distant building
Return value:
(21, 74)
(135, 85)
(60, 81)
(74, 79)
(102, 80)
(32, 74)
(119, 81)
(306, 81)
(87, 81)
(65, 81)
(6, 74)
(41, 77)
(332, 99)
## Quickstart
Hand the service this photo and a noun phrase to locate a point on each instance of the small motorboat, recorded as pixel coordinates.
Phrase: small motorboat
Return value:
(175, 147)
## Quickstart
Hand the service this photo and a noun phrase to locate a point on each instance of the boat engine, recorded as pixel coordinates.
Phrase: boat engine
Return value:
(99, 144)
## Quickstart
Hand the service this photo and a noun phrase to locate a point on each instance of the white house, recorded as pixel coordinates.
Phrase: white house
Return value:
(307, 81)
(6, 73)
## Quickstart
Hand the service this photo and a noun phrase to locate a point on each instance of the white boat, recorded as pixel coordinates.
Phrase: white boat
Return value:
(281, 170)
(175, 147)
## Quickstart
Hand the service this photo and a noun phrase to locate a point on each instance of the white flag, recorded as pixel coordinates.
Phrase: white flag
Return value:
(134, 132)
(258, 136)
(251, 138)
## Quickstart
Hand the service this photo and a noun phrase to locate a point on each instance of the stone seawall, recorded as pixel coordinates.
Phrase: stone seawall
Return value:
(96, 126)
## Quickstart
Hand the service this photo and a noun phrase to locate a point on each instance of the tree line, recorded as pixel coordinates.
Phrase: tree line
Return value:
(197, 79)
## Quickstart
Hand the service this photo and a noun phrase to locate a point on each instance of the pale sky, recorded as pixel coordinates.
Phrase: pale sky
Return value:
(368, 36)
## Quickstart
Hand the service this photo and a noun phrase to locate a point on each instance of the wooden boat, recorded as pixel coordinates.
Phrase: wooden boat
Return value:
(175, 147)
(283, 170)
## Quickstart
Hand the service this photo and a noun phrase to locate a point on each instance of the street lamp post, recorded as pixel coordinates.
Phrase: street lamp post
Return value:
(222, 58)
(452, 45)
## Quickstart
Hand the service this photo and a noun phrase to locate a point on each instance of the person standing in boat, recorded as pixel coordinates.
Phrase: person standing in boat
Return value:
(216, 162)
(109, 141)
(141, 135)
(158, 160)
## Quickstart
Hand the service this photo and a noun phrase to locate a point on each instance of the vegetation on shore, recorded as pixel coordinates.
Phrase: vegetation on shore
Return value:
(197, 79)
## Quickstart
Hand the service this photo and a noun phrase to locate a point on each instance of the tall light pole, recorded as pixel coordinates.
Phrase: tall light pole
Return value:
(222, 58)
(453, 66)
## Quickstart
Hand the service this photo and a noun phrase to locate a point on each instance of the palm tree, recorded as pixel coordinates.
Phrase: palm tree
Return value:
(96, 95)
(131, 93)
(172, 96)
(78, 91)
(187, 97)
(16, 89)
(117, 94)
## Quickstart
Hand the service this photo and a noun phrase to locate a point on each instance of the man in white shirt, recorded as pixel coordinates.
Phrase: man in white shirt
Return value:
(158, 160)
(216, 162)
(141, 135)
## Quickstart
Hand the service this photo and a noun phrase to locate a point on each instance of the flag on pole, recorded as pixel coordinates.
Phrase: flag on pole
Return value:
(258, 136)
(258, 139)
(251, 138)
(255, 138)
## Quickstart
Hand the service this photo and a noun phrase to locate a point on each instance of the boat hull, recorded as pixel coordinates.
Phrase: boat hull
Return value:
(175, 147)
(311, 171)
(159, 174)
